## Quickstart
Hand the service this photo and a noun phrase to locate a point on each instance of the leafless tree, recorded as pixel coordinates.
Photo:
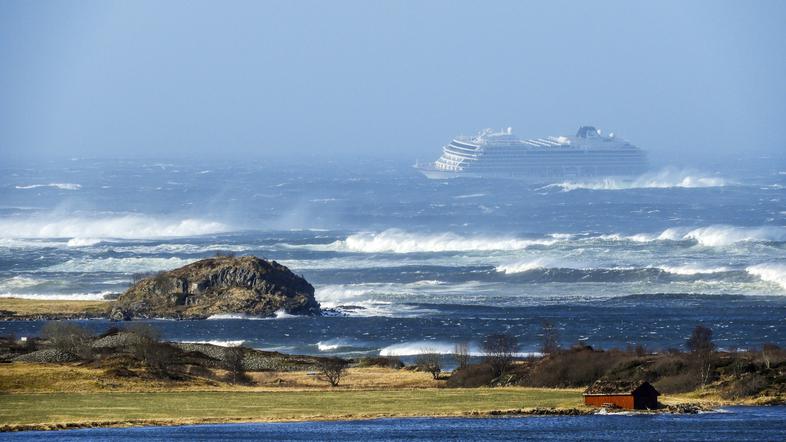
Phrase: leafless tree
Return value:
(461, 354)
(145, 344)
(768, 351)
(68, 337)
(333, 369)
(429, 361)
(549, 339)
(499, 350)
(701, 347)
(700, 340)
(233, 361)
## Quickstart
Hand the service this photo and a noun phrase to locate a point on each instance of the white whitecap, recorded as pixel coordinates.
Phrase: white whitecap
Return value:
(400, 241)
(124, 227)
(217, 342)
(770, 272)
(58, 296)
(664, 179)
(61, 186)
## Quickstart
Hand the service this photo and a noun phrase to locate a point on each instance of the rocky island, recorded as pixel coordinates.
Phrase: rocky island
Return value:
(244, 285)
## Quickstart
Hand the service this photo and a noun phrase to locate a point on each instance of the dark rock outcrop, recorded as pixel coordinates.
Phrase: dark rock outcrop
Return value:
(221, 285)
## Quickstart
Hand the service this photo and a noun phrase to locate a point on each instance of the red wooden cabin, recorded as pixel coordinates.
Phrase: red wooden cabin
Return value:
(638, 395)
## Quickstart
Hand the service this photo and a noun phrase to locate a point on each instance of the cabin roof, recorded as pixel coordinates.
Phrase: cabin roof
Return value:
(614, 387)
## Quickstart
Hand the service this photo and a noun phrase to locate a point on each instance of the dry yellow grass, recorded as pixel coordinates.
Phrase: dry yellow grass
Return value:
(20, 377)
(32, 307)
(47, 396)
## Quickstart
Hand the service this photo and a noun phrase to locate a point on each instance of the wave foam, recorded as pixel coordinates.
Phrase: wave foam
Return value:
(724, 235)
(217, 342)
(775, 273)
(118, 265)
(125, 227)
(690, 269)
(665, 179)
(443, 348)
(83, 242)
(19, 282)
(61, 186)
(58, 296)
(335, 344)
(279, 314)
(523, 266)
(399, 241)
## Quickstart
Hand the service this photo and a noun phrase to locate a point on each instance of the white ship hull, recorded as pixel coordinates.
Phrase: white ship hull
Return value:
(542, 160)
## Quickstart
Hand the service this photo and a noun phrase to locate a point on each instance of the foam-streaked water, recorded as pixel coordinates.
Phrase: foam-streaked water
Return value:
(732, 423)
(410, 261)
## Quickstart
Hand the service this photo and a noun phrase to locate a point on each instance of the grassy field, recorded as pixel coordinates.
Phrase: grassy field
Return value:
(53, 410)
(15, 307)
(21, 377)
(45, 396)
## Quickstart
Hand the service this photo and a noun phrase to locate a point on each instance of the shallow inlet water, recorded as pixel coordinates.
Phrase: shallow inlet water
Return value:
(731, 424)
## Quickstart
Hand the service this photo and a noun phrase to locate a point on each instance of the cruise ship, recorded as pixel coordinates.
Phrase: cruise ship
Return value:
(500, 154)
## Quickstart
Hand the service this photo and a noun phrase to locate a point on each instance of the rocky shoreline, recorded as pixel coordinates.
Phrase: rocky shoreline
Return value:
(221, 285)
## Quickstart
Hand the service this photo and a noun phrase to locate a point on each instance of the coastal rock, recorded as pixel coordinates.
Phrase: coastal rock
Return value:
(49, 356)
(222, 285)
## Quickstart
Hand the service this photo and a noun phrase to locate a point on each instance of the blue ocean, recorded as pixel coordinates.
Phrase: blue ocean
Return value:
(400, 262)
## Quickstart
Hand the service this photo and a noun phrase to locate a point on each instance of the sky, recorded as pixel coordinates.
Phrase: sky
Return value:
(258, 79)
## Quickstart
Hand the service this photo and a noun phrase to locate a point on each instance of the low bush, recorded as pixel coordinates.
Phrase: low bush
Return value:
(472, 376)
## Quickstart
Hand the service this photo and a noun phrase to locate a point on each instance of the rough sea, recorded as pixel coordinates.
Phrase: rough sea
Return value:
(404, 263)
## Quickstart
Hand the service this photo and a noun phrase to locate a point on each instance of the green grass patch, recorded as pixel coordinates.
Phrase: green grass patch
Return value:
(113, 408)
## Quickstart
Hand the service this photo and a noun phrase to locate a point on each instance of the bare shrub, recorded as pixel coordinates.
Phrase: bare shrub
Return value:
(771, 353)
(679, 383)
(68, 337)
(333, 369)
(381, 361)
(429, 361)
(549, 340)
(748, 386)
(577, 367)
(701, 347)
(233, 362)
(640, 350)
(145, 345)
(461, 354)
(700, 340)
(471, 376)
(158, 358)
(499, 350)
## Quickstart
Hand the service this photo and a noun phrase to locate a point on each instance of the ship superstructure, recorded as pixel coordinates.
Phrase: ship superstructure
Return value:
(501, 154)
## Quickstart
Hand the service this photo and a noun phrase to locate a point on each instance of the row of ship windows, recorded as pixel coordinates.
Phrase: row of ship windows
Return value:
(554, 152)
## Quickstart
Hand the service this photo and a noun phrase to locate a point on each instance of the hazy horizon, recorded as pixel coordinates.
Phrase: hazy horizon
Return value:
(386, 79)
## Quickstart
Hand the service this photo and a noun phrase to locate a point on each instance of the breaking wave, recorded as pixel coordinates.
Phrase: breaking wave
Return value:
(665, 179)
(125, 227)
(724, 235)
(690, 270)
(775, 273)
(399, 241)
(279, 314)
(334, 344)
(19, 282)
(220, 343)
(443, 348)
(523, 266)
(61, 186)
(58, 296)
(118, 265)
